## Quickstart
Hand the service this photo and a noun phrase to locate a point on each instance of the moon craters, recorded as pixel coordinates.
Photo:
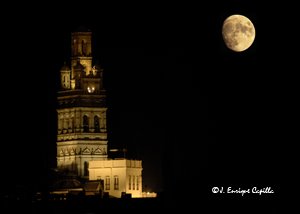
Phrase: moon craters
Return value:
(238, 33)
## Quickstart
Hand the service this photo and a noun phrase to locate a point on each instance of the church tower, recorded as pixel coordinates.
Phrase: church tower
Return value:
(81, 131)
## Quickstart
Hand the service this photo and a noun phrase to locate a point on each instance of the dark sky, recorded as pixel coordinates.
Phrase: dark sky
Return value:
(179, 99)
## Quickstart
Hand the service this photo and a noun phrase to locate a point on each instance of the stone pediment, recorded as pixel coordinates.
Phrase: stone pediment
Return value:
(86, 151)
(99, 151)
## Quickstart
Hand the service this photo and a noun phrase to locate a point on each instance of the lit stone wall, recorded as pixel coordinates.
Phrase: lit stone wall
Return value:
(75, 147)
(70, 120)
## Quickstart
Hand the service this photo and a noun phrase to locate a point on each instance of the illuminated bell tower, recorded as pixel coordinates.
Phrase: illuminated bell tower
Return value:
(81, 131)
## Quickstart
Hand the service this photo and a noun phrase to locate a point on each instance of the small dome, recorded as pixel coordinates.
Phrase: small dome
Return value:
(65, 67)
(82, 28)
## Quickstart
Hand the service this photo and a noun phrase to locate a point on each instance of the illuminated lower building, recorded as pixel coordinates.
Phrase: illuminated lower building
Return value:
(81, 131)
(120, 176)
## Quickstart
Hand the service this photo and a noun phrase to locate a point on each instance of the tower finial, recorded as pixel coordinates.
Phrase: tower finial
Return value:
(82, 28)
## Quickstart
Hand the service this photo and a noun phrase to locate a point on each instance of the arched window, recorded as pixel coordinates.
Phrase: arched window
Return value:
(74, 48)
(85, 123)
(73, 166)
(66, 124)
(83, 47)
(107, 183)
(86, 169)
(73, 124)
(116, 182)
(96, 124)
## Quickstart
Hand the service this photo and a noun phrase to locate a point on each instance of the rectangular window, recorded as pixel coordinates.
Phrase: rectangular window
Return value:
(133, 182)
(137, 182)
(129, 182)
(107, 183)
(116, 182)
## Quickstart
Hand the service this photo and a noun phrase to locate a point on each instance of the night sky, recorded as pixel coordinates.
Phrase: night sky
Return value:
(195, 112)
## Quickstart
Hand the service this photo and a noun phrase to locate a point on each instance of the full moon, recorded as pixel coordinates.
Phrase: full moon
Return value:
(238, 32)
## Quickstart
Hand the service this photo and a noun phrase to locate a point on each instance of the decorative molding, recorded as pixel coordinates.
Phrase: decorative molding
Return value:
(86, 151)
